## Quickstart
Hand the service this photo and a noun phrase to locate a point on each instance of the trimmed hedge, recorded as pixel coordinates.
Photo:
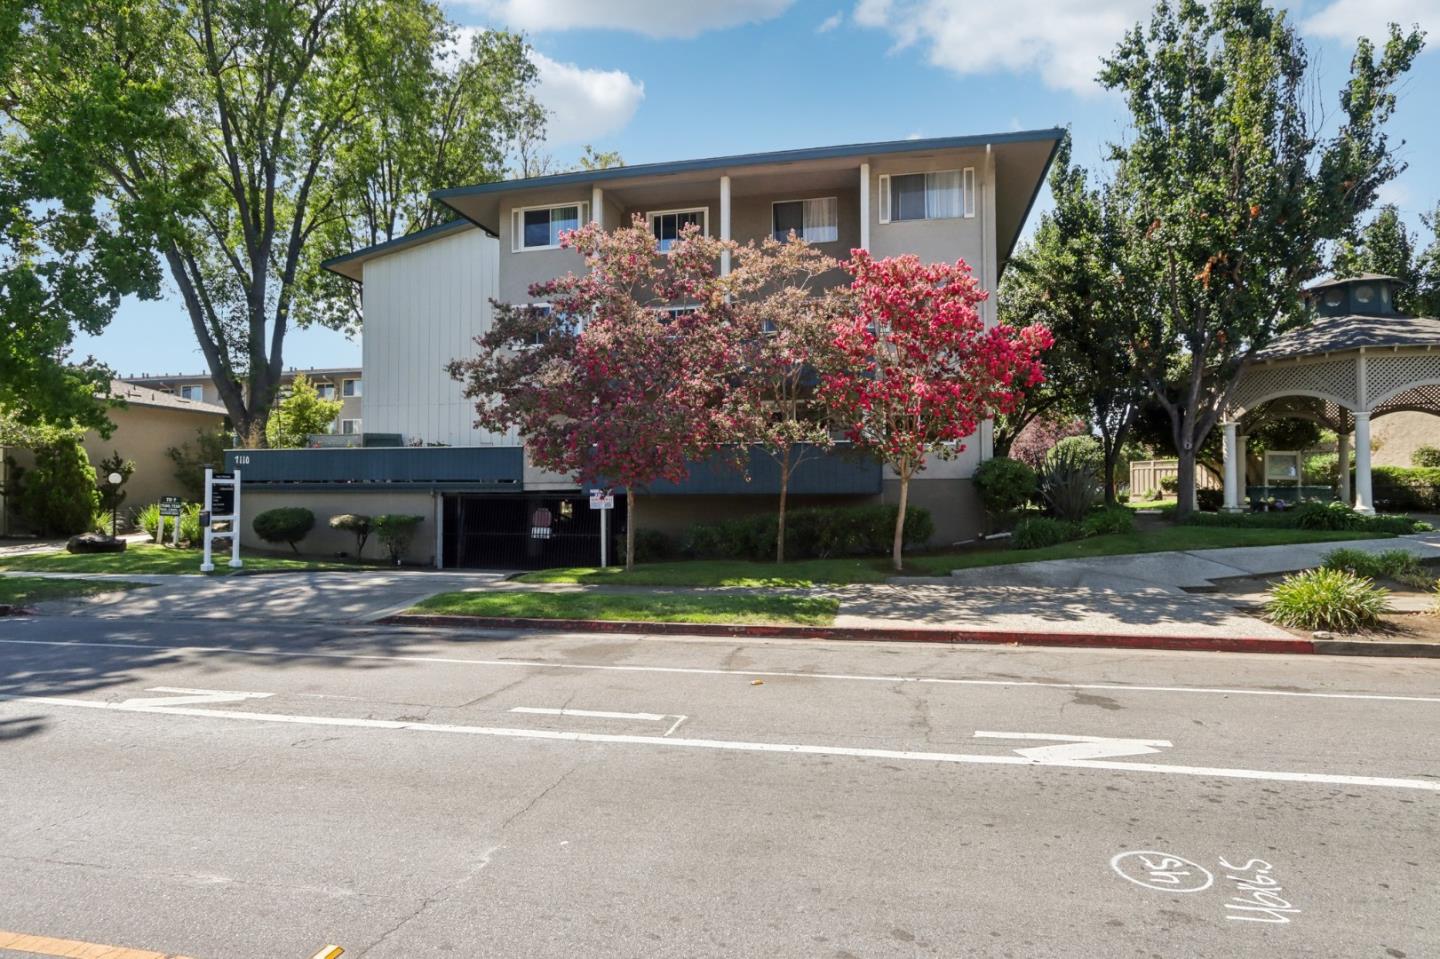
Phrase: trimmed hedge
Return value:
(810, 533)
(1037, 532)
(1407, 488)
(1005, 485)
(287, 524)
(1399, 525)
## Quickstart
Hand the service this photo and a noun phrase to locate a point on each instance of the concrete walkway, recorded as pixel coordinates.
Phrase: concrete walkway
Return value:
(1119, 595)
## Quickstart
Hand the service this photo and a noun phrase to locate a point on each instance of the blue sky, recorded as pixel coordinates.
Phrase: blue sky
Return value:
(671, 79)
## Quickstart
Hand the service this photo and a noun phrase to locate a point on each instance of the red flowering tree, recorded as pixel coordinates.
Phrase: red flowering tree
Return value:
(608, 384)
(1040, 436)
(923, 371)
(783, 328)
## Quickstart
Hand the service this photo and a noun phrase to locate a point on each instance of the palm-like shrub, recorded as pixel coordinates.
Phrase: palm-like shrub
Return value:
(1069, 483)
(1332, 599)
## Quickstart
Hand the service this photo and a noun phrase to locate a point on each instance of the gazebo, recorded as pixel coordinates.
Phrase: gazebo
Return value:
(1357, 360)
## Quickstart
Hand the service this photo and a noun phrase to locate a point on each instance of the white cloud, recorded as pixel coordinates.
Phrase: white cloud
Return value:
(830, 22)
(1347, 19)
(1062, 40)
(653, 18)
(584, 104)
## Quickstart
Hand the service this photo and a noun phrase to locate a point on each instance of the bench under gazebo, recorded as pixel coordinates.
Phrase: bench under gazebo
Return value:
(1359, 359)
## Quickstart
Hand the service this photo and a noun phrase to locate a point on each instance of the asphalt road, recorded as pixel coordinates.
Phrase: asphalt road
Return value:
(222, 791)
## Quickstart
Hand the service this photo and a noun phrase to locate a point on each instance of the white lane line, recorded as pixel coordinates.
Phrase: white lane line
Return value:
(705, 671)
(741, 746)
(1080, 747)
(593, 713)
(193, 697)
(676, 724)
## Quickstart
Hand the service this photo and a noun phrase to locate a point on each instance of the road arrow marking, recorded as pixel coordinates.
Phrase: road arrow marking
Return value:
(192, 697)
(1071, 749)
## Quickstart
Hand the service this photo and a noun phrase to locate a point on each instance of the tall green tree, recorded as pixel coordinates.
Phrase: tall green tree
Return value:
(1068, 279)
(301, 414)
(1384, 245)
(1426, 302)
(1230, 189)
(226, 137)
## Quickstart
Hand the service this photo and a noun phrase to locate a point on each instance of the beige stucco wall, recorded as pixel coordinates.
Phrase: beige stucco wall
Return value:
(518, 270)
(143, 434)
(324, 541)
(1397, 435)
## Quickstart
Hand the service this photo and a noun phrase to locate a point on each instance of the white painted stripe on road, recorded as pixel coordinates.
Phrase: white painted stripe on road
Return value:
(741, 746)
(715, 671)
(595, 713)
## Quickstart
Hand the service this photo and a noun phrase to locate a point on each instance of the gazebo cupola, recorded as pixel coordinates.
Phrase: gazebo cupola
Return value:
(1369, 294)
(1358, 358)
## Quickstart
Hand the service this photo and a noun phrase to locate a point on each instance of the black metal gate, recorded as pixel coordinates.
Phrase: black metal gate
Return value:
(526, 531)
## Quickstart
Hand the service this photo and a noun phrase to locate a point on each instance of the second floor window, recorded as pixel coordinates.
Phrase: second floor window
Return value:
(942, 195)
(668, 224)
(350, 388)
(539, 228)
(196, 393)
(326, 390)
(817, 221)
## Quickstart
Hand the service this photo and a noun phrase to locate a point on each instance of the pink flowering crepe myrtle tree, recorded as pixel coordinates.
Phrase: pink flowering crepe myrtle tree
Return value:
(607, 385)
(923, 371)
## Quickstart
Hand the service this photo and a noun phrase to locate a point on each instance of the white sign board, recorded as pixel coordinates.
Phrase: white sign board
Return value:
(602, 499)
(222, 491)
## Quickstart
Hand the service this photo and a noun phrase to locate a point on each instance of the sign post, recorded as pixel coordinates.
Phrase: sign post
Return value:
(222, 502)
(169, 506)
(604, 501)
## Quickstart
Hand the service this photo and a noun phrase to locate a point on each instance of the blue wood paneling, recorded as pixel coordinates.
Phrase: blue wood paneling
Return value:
(470, 466)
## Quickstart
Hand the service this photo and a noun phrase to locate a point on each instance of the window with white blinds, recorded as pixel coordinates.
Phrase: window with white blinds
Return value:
(941, 195)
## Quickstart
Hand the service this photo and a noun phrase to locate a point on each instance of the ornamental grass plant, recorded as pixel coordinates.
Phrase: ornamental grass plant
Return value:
(1327, 599)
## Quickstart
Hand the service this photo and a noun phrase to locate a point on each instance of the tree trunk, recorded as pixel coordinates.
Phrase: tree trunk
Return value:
(780, 522)
(629, 528)
(900, 522)
(1185, 476)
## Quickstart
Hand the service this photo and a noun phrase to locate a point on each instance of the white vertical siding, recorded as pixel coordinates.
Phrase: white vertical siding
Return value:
(424, 306)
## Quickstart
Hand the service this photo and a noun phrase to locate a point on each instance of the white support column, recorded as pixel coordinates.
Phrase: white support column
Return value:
(865, 206)
(1364, 499)
(1343, 465)
(725, 222)
(1232, 469)
(597, 206)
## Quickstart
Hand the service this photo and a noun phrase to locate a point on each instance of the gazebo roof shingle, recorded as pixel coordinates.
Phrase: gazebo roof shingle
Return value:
(1337, 334)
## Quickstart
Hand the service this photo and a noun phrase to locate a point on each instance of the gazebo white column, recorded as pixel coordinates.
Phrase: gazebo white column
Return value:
(1343, 455)
(1232, 469)
(1364, 499)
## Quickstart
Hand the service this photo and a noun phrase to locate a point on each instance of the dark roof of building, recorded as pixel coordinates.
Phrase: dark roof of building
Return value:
(1357, 278)
(349, 265)
(751, 159)
(1338, 334)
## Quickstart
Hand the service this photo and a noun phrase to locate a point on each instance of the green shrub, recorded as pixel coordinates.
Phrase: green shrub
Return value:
(1005, 485)
(1170, 484)
(1426, 457)
(192, 534)
(1333, 599)
(1037, 532)
(1405, 489)
(810, 533)
(1209, 500)
(653, 546)
(57, 496)
(1332, 516)
(1397, 564)
(191, 458)
(1379, 524)
(1114, 519)
(1069, 483)
(357, 525)
(148, 519)
(1085, 447)
(395, 530)
(287, 524)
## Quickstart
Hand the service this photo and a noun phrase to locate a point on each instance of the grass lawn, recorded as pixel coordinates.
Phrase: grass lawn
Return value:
(806, 573)
(149, 558)
(711, 608)
(24, 590)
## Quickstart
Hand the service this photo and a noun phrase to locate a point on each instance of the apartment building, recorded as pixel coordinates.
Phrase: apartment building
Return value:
(343, 383)
(427, 296)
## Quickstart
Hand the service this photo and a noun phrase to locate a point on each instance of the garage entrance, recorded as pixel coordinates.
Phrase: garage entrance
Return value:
(526, 531)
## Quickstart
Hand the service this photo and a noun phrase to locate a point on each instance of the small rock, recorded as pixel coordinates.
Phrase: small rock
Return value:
(1322, 634)
(94, 543)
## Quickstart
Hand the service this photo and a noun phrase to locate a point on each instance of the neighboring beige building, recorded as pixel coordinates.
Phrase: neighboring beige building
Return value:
(146, 426)
(338, 383)
(1399, 435)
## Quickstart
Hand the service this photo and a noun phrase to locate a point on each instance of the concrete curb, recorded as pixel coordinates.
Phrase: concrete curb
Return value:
(909, 635)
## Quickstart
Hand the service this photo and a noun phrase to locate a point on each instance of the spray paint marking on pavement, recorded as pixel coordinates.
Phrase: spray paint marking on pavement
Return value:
(46, 946)
(703, 671)
(801, 749)
(604, 714)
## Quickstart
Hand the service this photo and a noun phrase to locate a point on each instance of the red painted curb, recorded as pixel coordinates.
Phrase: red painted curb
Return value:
(883, 634)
